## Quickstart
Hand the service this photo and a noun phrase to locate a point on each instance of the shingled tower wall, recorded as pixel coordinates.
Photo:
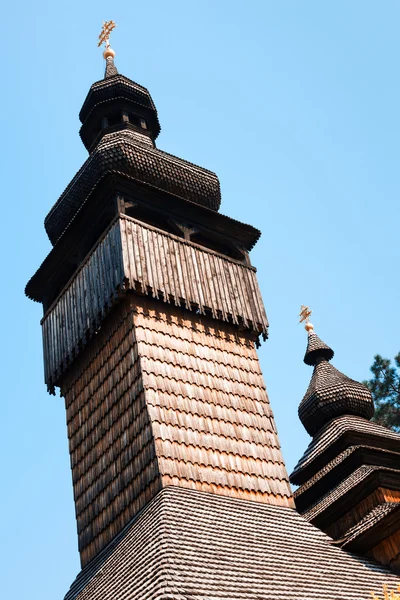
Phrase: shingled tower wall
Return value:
(151, 316)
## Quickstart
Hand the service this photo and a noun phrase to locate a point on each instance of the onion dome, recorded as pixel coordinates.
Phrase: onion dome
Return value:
(330, 393)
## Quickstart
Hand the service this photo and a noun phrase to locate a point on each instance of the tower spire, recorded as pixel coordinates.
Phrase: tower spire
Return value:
(348, 476)
(316, 348)
(330, 393)
(109, 53)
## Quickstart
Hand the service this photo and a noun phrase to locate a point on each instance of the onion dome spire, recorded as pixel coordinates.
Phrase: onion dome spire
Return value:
(330, 393)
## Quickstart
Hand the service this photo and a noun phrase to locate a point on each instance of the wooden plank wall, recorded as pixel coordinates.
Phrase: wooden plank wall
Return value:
(388, 552)
(80, 308)
(136, 256)
(179, 271)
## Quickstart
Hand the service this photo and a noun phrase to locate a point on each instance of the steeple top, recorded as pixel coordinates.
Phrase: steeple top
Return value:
(330, 393)
(109, 53)
(316, 348)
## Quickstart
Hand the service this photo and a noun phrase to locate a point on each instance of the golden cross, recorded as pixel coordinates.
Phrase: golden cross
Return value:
(106, 30)
(305, 313)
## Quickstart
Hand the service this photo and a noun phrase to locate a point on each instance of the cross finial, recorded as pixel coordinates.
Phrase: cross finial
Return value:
(104, 38)
(305, 313)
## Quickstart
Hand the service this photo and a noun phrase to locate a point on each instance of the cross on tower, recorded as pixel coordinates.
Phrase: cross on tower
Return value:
(105, 33)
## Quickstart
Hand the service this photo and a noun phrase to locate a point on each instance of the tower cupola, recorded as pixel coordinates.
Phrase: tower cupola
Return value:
(330, 393)
(114, 103)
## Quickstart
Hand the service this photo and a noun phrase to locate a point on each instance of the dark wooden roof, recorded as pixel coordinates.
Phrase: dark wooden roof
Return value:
(373, 528)
(111, 95)
(112, 86)
(349, 474)
(316, 349)
(335, 436)
(129, 153)
(359, 484)
(330, 393)
(187, 544)
(340, 468)
(83, 231)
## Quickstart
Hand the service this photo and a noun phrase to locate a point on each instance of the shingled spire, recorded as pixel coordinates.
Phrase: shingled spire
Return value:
(349, 476)
(316, 350)
(111, 69)
(330, 393)
(108, 54)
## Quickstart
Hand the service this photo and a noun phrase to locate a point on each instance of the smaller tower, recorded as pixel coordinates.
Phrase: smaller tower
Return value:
(349, 476)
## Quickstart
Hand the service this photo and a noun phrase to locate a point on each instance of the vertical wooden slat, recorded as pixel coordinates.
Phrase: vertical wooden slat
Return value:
(251, 297)
(190, 288)
(133, 277)
(179, 270)
(161, 272)
(200, 274)
(79, 307)
(136, 250)
(222, 304)
(210, 283)
(142, 258)
(227, 290)
(173, 269)
(237, 282)
(133, 252)
(165, 268)
(197, 277)
(149, 257)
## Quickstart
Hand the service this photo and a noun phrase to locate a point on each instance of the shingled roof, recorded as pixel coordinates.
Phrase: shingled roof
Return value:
(334, 435)
(349, 474)
(132, 155)
(193, 545)
(330, 393)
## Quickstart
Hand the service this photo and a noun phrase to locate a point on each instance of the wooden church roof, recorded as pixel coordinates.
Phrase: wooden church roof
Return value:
(349, 475)
(193, 545)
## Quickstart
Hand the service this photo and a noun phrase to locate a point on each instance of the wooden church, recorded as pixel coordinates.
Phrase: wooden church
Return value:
(152, 316)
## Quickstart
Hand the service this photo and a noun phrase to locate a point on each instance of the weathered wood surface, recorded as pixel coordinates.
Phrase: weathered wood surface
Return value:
(77, 313)
(356, 513)
(161, 397)
(211, 418)
(388, 552)
(113, 460)
(178, 271)
(138, 257)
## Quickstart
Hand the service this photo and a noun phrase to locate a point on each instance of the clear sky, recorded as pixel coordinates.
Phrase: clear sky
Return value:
(295, 105)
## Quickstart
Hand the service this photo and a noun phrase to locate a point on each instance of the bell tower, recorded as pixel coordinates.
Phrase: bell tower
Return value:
(152, 313)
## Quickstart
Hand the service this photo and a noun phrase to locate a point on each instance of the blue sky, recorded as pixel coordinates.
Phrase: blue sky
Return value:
(295, 105)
